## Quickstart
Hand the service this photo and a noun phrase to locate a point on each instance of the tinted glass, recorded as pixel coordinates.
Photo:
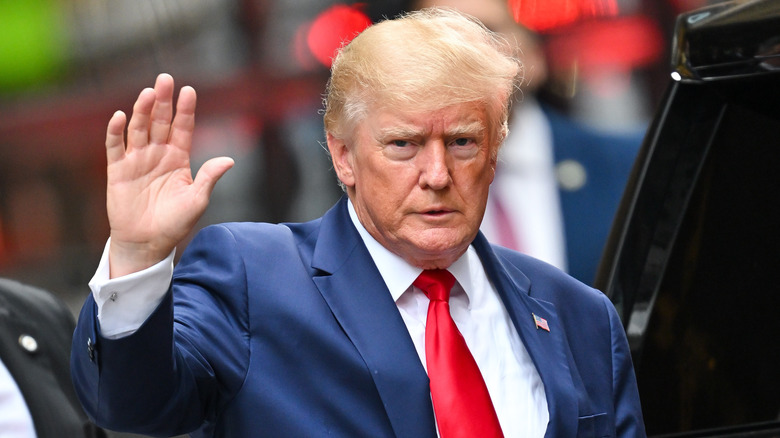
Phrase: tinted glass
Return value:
(711, 353)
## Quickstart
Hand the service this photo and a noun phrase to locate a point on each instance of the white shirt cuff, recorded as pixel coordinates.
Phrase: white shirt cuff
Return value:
(124, 303)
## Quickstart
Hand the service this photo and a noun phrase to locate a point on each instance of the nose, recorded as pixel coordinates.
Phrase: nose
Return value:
(434, 171)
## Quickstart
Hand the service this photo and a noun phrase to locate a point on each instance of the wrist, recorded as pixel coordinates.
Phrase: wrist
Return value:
(125, 258)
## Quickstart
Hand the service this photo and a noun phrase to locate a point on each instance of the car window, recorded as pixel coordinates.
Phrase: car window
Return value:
(710, 353)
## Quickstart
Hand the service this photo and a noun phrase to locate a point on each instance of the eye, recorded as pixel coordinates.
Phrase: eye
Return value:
(400, 150)
(464, 147)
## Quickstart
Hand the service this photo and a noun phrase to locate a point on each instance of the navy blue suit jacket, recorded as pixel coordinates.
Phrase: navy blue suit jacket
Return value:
(289, 331)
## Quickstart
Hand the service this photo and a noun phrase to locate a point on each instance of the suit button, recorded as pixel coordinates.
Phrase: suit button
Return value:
(28, 343)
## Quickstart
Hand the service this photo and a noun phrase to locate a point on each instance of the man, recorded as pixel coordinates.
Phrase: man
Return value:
(558, 182)
(36, 393)
(325, 328)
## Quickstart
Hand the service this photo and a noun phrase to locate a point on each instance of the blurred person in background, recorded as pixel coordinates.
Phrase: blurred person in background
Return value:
(320, 328)
(36, 394)
(558, 181)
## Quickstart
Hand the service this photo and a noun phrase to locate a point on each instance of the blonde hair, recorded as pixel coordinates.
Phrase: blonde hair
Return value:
(424, 60)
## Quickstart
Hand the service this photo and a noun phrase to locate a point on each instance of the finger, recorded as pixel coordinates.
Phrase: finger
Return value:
(208, 175)
(162, 111)
(115, 137)
(184, 123)
(138, 128)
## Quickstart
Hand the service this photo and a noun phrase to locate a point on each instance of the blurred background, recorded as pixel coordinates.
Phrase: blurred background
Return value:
(260, 68)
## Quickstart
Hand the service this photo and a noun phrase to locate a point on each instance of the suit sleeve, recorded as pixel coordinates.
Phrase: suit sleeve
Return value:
(628, 410)
(187, 360)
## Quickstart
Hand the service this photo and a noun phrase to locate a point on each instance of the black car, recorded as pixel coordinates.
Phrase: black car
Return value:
(693, 259)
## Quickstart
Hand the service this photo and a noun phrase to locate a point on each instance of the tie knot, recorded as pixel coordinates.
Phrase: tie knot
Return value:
(436, 283)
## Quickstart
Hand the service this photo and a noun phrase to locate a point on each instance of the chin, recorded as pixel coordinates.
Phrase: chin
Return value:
(441, 250)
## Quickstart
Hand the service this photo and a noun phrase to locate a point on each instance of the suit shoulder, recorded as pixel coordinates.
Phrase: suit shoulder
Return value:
(256, 241)
(34, 302)
(531, 266)
(243, 229)
(549, 282)
(264, 230)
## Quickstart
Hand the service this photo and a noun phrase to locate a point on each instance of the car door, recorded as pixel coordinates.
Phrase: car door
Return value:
(693, 258)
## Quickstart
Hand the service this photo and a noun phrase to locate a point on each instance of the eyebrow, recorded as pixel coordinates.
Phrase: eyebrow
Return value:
(469, 129)
(399, 132)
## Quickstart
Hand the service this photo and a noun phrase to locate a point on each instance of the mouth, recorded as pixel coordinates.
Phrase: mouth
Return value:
(437, 212)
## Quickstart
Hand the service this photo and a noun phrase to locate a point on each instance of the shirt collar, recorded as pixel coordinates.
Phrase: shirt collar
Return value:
(399, 274)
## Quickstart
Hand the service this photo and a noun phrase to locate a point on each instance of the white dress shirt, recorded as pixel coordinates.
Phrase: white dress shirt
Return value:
(512, 380)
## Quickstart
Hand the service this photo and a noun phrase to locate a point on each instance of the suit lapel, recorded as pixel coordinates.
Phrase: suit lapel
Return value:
(360, 301)
(548, 349)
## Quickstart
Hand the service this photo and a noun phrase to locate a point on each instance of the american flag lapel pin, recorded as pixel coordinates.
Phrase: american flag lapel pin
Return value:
(540, 322)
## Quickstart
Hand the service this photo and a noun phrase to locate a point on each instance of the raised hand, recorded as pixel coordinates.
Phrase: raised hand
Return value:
(152, 200)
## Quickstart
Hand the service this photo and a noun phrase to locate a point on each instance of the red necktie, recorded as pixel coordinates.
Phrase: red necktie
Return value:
(460, 398)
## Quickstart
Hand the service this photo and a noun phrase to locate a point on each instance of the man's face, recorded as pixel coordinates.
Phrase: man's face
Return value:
(419, 180)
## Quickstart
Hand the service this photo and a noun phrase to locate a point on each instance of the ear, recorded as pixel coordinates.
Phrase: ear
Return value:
(493, 157)
(492, 172)
(342, 160)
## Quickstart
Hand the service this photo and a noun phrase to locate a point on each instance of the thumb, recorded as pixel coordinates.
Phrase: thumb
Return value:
(208, 175)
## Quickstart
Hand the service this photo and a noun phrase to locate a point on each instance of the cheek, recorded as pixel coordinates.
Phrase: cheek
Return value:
(476, 178)
(388, 179)
(473, 189)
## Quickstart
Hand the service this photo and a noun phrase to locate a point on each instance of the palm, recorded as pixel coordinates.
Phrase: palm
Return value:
(152, 200)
